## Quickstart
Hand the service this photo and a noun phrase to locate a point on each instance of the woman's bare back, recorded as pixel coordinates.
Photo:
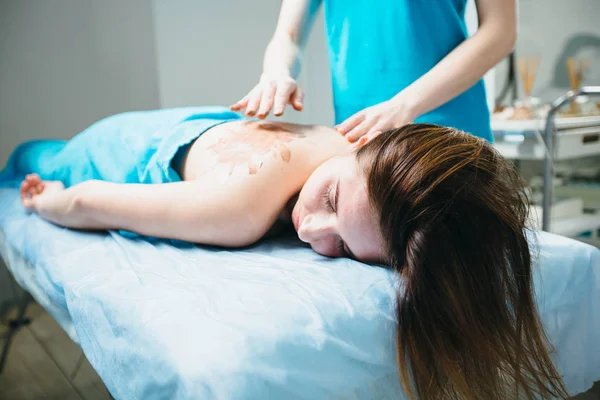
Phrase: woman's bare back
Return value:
(247, 148)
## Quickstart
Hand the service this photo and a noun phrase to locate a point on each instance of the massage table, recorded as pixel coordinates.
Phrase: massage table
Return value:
(271, 321)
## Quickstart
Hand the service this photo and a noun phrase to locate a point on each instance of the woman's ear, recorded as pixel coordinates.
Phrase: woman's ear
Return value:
(365, 139)
(359, 143)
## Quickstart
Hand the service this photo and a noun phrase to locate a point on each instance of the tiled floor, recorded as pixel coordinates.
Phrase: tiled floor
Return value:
(44, 363)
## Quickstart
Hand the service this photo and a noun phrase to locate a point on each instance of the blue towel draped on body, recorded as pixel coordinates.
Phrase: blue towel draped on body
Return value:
(133, 147)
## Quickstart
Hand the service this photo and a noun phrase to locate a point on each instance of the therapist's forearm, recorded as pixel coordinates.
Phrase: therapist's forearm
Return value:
(459, 70)
(284, 52)
(283, 56)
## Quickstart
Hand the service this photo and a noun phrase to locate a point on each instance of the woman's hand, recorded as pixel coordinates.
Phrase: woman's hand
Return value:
(47, 198)
(376, 119)
(272, 93)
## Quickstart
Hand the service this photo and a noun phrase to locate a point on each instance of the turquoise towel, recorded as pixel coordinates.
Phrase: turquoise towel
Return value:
(133, 147)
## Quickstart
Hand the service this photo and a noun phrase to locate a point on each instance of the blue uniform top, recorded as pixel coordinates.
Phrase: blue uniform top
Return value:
(379, 47)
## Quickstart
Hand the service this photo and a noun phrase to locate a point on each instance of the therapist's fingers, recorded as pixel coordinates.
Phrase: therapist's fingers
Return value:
(266, 102)
(297, 99)
(254, 102)
(240, 105)
(358, 131)
(350, 123)
(284, 91)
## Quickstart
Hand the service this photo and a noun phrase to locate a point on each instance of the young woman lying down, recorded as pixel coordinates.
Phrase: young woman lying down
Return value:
(439, 206)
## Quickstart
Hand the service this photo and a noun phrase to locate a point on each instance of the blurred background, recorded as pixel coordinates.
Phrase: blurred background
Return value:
(65, 64)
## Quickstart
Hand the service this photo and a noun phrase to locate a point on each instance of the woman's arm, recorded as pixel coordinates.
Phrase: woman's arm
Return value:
(281, 64)
(453, 75)
(189, 211)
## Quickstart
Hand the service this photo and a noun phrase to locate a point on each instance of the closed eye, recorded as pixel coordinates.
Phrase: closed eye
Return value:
(327, 198)
(342, 247)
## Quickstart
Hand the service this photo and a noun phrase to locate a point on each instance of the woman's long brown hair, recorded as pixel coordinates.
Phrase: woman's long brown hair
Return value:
(453, 213)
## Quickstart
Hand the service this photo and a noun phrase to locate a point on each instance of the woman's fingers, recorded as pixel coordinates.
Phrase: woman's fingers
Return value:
(24, 189)
(40, 188)
(28, 203)
(28, 192)
(31, 186)
(35, 184)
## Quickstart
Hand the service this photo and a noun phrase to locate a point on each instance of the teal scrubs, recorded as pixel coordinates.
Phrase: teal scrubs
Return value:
(379, 47)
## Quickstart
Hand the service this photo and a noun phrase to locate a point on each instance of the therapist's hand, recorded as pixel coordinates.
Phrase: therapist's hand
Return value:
(272, 93)
(376, 119)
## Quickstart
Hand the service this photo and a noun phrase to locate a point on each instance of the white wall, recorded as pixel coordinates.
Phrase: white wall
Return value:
(67, 63)
(210, 53)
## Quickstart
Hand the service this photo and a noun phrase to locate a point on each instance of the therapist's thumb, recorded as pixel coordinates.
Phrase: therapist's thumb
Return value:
(297, 99)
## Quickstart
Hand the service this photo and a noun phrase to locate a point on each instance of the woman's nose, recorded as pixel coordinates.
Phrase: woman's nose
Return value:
(316, 227)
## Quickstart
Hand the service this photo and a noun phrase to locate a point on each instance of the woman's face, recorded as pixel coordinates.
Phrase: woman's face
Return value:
(333, 213)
